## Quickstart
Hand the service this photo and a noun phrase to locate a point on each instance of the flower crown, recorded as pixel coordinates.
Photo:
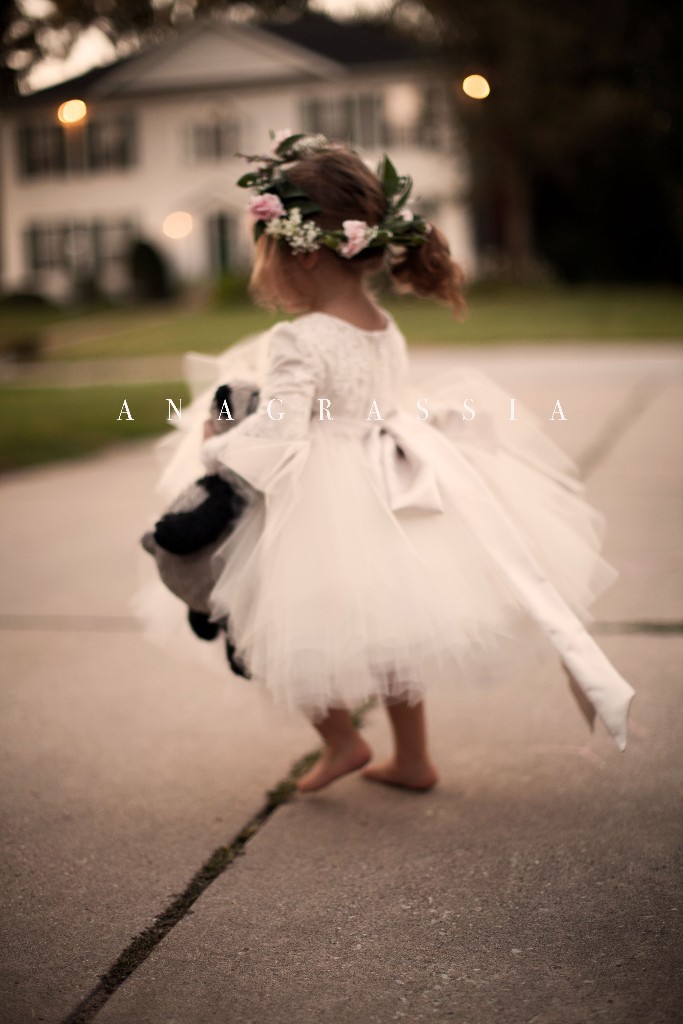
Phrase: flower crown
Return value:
(281, 207)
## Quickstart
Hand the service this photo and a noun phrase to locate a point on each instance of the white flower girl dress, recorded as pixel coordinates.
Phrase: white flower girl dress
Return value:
(384, 555)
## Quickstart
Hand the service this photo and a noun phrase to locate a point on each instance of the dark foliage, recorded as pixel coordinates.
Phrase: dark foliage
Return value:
(577, 154)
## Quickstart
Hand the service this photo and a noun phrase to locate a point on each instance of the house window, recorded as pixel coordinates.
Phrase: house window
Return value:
(47, 247)
(434, 129)
(42, 150)
(109, 144)
(222, 236)
(402, 115)
(215, 139)
(358, 119)
(80, 246)
(47, 150)
(111, 242)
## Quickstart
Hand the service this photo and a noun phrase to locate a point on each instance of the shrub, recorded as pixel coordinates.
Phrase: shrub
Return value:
(231, 287)
(149, 272)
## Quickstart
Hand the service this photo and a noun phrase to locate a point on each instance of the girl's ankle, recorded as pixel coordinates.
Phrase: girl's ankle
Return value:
(350, 739)
(402, 760)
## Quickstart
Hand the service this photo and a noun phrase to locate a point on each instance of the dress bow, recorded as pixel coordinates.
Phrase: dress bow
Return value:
(407, 481)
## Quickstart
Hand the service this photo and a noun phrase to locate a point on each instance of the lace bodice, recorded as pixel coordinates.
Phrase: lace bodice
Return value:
(316, 357)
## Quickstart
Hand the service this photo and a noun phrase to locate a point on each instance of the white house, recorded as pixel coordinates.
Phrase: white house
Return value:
(159, 138)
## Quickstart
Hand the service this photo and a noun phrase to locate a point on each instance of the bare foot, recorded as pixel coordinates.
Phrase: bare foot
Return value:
(333, 763)
(419, 775)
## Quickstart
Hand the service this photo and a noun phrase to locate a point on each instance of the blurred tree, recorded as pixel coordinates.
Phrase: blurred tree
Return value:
(27, 36)
(577, 153)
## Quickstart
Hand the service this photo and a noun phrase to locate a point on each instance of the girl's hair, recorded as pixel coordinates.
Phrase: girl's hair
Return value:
(429, 270)
(338, 181)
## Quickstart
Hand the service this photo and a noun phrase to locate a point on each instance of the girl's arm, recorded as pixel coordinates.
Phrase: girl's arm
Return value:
(288, 390)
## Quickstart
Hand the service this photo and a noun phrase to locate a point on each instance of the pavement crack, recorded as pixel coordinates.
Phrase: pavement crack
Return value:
(144, 944)
(147, 940)
(657, 628)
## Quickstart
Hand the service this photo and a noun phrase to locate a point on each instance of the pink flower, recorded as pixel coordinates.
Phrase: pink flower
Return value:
(266, 207)
(356, 232)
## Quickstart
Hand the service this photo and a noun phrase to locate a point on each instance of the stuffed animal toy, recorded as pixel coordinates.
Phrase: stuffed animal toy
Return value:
(199, 520)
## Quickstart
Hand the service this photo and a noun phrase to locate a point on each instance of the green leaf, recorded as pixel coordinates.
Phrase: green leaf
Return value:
(259, 228)
(287, 143)
(308, 206)
(388, 176)
(287, 190)
(248, 179)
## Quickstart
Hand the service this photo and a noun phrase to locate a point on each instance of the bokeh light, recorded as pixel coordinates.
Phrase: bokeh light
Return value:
(72, 111)
(178, 224)
(476, 87)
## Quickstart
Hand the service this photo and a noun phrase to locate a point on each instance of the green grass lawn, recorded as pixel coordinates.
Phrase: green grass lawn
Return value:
(40, 425)
(156, 333)
(496, 315)
(500, 315)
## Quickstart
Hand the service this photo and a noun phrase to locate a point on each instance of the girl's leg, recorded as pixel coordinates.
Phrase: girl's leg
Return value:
(410, 766)
(345, 750)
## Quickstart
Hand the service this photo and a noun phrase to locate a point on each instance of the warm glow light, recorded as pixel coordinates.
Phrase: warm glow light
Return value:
(403, 105)
(177, 224)
(476, 87)
(72, 111)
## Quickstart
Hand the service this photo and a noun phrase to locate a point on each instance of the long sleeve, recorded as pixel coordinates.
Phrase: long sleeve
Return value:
(265, 443)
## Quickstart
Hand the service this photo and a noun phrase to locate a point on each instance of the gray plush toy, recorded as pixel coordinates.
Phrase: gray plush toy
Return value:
(199, 520)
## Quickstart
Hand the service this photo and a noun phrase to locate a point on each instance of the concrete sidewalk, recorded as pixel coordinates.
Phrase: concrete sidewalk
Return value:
(536, 883)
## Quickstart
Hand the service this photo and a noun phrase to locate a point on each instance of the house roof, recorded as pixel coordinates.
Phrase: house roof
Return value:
(217, 54)
(355, 42)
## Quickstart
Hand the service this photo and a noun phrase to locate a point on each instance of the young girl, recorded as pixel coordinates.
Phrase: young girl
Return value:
(397, 538)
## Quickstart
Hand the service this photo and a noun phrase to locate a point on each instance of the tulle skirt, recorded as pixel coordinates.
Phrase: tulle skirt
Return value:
(392, 557)
(333, 596)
